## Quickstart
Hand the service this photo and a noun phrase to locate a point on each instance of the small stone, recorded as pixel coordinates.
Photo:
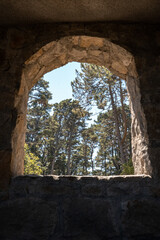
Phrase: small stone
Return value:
(86, 42)
(119, 67)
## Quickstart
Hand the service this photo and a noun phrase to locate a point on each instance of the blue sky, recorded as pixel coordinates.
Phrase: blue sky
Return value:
(60, 81)
(60, 84)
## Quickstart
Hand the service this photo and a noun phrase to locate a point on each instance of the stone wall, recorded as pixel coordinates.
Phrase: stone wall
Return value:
(86, 49)
(101, 52)
(80, 208)
(27, 52)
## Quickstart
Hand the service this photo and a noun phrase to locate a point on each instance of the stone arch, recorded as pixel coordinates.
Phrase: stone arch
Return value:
(94, 50)
(87, 49)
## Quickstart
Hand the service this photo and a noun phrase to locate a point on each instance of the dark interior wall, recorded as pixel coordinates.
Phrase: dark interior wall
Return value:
(36, 207)
(92, 208)
(18, 44)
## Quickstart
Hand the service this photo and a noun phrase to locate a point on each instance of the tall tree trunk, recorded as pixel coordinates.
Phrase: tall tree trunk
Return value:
(124, 121)
(69, 156)
(105, 157)
(53, 162)
(55, 151)
(123, 113)
(92, 159)
(113, 160)
(85, 158)
(122, 156)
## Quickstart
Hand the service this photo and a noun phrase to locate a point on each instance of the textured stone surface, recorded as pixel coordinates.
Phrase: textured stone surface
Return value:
(75, 208)
(29, 52)
(28, 11)
(80, 208)
(140, 141)
(78, 48)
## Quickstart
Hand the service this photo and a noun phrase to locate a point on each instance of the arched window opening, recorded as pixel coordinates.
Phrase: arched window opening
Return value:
(87, 132)
(90, 50)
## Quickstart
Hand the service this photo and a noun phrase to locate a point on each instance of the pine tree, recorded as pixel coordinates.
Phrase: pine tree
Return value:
(37, 120)
(63, 144)
(96, 85)
(68, 121)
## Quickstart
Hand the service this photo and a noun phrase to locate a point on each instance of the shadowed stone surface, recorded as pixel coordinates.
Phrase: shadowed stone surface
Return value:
(42, 11)
(29, 52)
(73, 208)
(98, 208)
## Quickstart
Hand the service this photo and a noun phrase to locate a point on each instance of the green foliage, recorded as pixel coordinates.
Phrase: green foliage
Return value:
(37, 121)
(96, 85)
(68, 121)
(62, 143)
(32, 164)
(127, 168)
